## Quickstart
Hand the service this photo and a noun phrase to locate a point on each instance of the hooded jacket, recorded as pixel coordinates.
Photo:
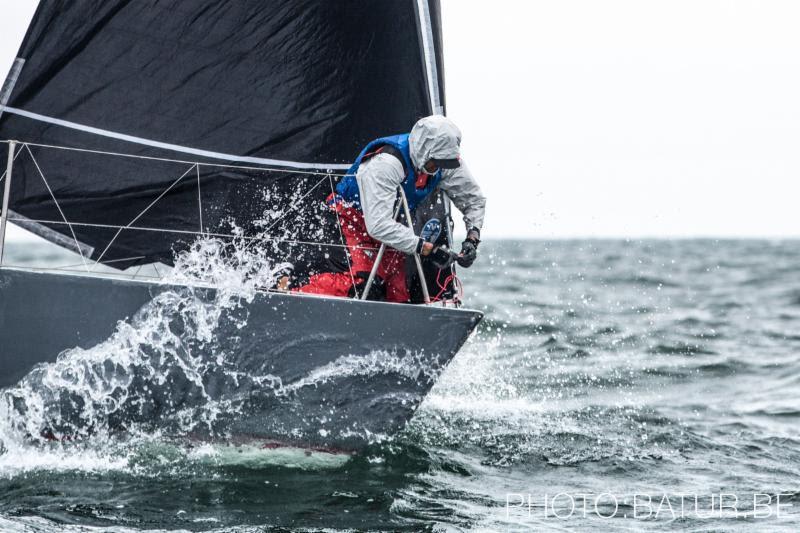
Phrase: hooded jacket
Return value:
(434, 137)
(348, 187)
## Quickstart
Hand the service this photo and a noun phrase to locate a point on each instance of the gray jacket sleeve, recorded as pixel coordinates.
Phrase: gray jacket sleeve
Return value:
(460, 186)
(378, 180)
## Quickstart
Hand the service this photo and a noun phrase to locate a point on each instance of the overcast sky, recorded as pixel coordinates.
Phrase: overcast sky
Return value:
(617, 118)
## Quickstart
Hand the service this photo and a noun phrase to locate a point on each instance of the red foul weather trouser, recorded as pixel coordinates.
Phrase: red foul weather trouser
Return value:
(363, 250)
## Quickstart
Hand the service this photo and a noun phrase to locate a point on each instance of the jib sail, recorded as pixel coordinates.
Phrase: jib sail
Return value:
(213, 93)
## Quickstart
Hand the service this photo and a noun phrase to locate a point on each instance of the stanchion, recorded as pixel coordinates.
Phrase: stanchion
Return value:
(12, 145)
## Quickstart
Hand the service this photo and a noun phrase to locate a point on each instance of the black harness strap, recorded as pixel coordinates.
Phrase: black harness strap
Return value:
(391, 150)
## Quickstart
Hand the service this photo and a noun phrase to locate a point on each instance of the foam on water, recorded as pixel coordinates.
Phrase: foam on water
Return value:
(35, 524)
(149, 380)
(605, 367)
(93, 393)
(413, 366)
(259, 457)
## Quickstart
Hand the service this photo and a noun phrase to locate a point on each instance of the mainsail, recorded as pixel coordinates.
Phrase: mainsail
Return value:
(240, 106)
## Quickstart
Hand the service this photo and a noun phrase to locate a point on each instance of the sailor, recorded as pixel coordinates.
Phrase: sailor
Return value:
(420, 162)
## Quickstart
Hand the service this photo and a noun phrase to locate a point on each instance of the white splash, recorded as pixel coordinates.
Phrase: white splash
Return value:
(411, 366)
(156, 364)
(86, 391)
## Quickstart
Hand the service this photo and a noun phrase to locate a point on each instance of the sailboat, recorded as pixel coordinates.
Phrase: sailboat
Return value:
(134, 130)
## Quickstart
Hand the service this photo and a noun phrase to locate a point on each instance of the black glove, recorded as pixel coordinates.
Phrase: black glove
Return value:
(469, 248)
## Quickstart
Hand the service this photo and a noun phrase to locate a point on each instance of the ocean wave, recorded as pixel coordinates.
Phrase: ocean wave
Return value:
(640, 280)
(681, 348)
(681, 389)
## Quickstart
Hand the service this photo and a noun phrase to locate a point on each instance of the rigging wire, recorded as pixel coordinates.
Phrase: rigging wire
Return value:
(186, 162)
(72, 231)
(329, 175)
(160, 196)
(189, 232)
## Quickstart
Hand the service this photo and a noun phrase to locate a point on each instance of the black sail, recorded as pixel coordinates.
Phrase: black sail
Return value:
(263, 84)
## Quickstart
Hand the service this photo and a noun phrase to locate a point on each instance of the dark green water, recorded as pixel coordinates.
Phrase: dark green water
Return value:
(634, 369)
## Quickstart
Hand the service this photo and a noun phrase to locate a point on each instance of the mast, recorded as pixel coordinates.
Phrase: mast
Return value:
(429, 56)
(6, 193)
(428, 48)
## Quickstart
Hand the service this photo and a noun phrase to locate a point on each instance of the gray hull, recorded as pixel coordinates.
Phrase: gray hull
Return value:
(296, 369)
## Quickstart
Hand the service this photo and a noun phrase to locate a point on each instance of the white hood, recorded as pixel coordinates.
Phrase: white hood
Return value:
(379, 177)
(434, 137)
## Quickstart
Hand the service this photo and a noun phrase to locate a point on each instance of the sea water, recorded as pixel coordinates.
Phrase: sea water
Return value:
(614, 385)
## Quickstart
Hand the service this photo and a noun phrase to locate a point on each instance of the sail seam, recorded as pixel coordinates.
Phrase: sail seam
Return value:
(169, 146)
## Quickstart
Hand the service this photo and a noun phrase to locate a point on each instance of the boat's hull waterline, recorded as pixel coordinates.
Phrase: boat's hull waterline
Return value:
(307, 371)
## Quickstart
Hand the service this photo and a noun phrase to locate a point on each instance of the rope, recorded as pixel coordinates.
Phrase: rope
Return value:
(443, 286)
